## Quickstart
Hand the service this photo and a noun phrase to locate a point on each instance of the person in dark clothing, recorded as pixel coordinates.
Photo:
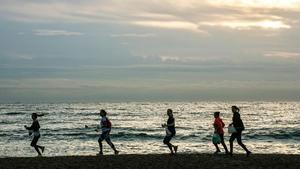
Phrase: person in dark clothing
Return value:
(35, 130)
(219, 125)
(239, 126)
(170, 132)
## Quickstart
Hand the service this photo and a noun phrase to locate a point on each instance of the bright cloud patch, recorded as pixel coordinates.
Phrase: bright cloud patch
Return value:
(282, 54)
(165, 14)
(258, 3)
(170, 58)
(47, 32)
(267, 24)
(181, 25)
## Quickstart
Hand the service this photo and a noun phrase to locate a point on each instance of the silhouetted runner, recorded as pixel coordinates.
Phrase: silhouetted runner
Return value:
(219, 125)
(239, 126)
(35, 130)
(105, 129)
(170, 132)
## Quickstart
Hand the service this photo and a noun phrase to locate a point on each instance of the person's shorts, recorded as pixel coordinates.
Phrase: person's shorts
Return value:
(237, 135)
(35, 140)
(168, 138)
(104, 136)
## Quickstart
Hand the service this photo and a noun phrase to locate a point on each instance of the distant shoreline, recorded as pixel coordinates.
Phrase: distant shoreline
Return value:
(153, 101)
(149, 161)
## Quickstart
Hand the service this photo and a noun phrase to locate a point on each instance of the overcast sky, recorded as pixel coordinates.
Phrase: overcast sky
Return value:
(149, 50)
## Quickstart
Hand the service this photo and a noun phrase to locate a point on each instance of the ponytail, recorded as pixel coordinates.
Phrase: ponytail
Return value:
(236, 108)
(37, 115)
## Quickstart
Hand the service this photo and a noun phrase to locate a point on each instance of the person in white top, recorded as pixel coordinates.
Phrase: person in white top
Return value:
(35, 129)
(105, 125)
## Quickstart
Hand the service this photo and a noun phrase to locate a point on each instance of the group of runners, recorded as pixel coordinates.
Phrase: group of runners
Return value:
(106, 125)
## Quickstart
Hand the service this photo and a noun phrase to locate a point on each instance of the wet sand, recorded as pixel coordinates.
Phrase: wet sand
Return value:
(159, 161)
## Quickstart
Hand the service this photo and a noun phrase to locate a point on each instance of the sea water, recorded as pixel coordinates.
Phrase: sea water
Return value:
(69, 129)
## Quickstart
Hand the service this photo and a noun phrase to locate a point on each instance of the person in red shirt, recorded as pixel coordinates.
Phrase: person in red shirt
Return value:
(219, 125)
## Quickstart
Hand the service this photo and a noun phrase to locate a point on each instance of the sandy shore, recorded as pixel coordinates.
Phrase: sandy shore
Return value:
(159, 161)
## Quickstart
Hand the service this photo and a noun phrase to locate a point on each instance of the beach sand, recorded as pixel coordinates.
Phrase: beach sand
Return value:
(159, 161)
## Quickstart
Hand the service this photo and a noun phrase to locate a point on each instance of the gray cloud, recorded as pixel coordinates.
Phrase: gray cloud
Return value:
(134, 35)
(162, 49)
(162, 14)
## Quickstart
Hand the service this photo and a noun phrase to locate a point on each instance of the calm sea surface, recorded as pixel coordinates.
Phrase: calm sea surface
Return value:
(271, 127)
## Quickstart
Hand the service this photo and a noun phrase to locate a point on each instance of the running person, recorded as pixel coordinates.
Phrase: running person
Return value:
(219, 125)
(35, 129)
(170, 132)
(239, 126)
(105, 128)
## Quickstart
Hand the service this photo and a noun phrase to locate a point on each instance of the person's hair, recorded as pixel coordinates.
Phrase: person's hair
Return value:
(236, 108)
(103, 111)
(35, 115)
(170, 110)
(217, 113)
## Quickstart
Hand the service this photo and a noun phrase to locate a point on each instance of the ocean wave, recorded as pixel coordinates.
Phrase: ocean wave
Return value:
(14, 113)
(294, 135)
(137, 129)
(193, 136)
(124, 135)
(119, 135)
(85, 113)
(136, 135)
(4, 134)
(7, 122)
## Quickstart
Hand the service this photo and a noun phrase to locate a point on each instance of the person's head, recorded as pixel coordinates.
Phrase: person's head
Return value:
(216, 114)
(235, 109)
(102, 113)
(170, 112)
(34, 116)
